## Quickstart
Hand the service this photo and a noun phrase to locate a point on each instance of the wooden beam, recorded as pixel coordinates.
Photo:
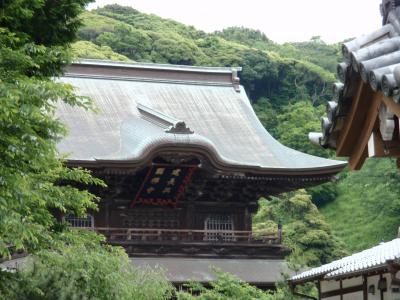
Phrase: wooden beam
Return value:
(360, 144)
(394, 107)
(345, 137)
(343, 291)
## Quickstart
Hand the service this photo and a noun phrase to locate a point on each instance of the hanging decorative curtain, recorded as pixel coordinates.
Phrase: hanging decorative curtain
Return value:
(164, 185)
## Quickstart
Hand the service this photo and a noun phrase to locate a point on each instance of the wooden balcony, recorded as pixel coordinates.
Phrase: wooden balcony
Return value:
(208, 243)
(187, 235)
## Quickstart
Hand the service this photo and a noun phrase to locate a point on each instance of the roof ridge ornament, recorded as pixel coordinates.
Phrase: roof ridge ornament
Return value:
(169, 123)
(179, 128)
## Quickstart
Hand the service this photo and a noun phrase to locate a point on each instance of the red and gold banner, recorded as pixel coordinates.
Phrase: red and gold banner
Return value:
(164, 185)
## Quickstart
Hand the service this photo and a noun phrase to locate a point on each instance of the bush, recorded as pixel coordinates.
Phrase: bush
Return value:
(79, 266)
(229, 287)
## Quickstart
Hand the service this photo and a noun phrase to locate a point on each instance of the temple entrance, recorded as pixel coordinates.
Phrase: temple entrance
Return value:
(219, 228)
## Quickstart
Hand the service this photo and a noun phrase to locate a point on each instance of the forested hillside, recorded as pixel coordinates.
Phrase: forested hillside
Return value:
(288, 85)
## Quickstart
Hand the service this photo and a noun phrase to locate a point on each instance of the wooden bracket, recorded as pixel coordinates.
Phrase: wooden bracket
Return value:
(360, 144)
(354, 120)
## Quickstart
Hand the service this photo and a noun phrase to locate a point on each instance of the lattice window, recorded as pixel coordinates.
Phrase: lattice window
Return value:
(77, 222)
(152, 218)
(218, 228)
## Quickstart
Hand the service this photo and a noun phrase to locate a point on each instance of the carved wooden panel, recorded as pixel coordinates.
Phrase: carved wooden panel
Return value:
(151, 218)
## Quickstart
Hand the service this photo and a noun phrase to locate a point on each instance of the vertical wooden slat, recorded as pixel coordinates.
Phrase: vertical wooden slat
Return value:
(341, 289)
(319, 289)
(365, 287)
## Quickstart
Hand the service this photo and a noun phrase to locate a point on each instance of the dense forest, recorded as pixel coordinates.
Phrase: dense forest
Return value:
(288, 85)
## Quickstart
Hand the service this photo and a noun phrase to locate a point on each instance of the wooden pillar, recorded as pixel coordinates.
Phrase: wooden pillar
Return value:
(341, 289)
(365, 287)
(381, 291)
(319, 289)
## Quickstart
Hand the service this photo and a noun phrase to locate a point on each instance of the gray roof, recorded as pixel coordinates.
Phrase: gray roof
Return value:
(179, 270)
(13, 264)
(373, 57)
(374, 258)
(145, 109)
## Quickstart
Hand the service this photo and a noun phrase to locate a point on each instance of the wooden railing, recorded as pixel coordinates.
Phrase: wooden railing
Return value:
(186, 235)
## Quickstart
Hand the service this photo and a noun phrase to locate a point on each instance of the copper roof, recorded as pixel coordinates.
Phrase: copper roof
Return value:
(147, 108)
(180, 270)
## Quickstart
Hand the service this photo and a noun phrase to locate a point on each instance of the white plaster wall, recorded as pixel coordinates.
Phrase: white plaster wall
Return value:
(332, 298)
(352, 282)
(373, 280)
(389, 295)
(329, 285)
(354, 296)
(334, 285)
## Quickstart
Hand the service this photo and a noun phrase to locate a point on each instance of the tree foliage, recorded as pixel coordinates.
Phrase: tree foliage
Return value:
(86, 49)
(304, 229)
(294, 124)
(366, 209)
(78, 266)
(30, 170)
(229, 287)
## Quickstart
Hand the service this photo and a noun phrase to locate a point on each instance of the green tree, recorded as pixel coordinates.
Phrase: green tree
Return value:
(86, 49)
(304, 228)
(294, 124)
(225, 287)
(266, 114)
(126, 40)
(366, 209)
(229, 287)
(78, 266)
(34, 36)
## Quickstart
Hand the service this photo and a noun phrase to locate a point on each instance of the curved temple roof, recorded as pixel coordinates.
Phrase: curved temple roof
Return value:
(148, 108)
(371, 66)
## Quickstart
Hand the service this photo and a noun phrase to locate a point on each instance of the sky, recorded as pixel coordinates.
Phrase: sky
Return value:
(281, 21)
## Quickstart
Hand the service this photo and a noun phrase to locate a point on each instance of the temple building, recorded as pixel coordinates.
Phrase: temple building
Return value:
(367, 275)
(185, 160)
(363, 117)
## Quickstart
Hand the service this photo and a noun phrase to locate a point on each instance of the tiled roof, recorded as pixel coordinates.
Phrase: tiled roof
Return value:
(146, 108)
(373, 57)
(180, 269)
(370, 259)
(183, 269)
